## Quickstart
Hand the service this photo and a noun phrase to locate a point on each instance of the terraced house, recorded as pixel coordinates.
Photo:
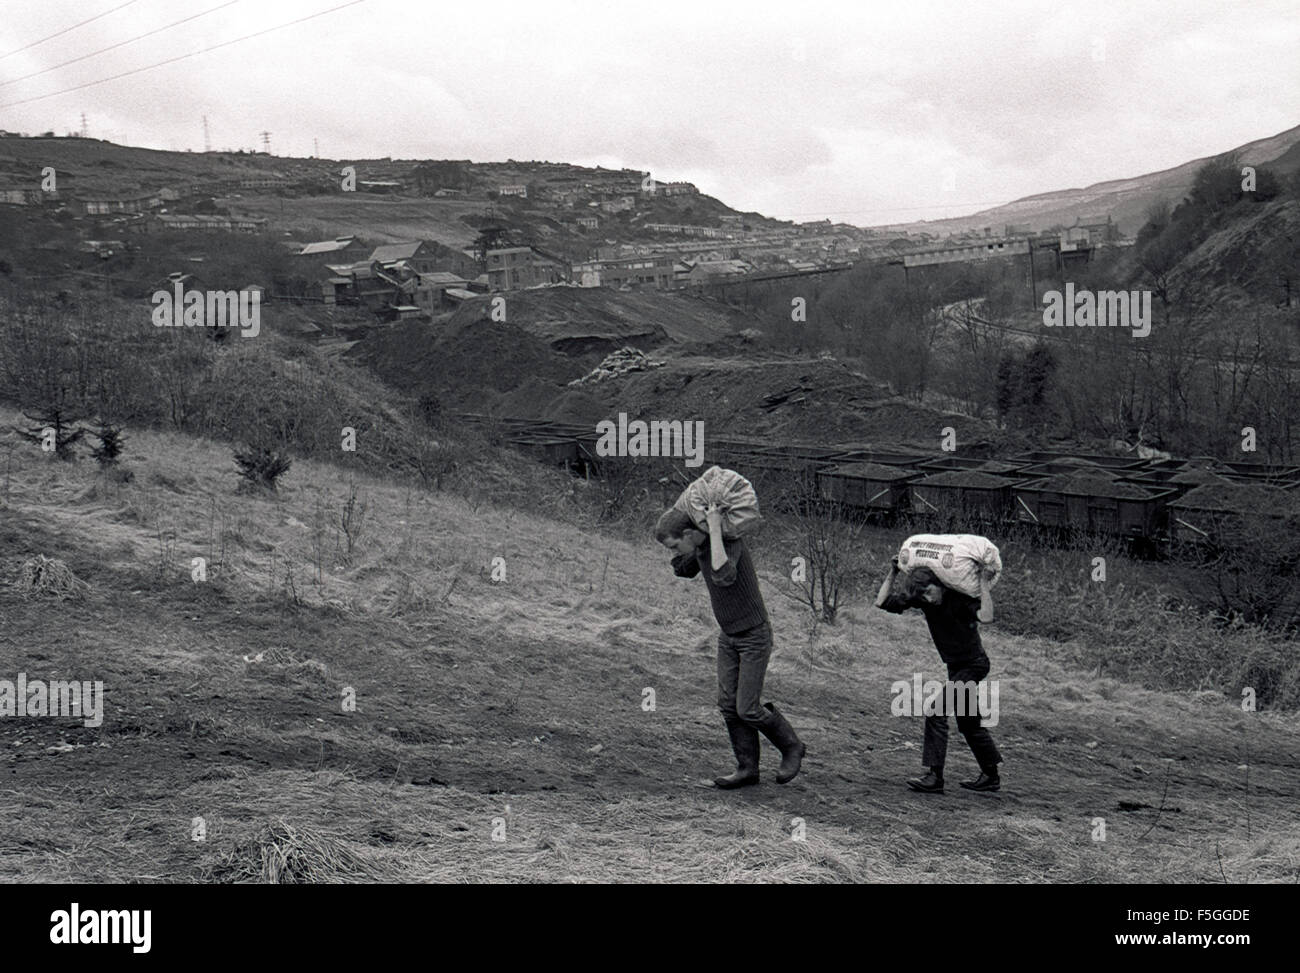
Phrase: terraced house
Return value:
(646, 271)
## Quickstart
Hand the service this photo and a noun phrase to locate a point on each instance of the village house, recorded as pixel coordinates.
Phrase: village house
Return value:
(24, 197)
(1090, 231)
(394, 290)
(653, 271)
(418, 255)
(513, 189)
(619, 204)
(201, 221)
(313, 258)
(712, 232)
(513, 268)
(710, 270)
(366, 284)
(101, 205)
(431, 295)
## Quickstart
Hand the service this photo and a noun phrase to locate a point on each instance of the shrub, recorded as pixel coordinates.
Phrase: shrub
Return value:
(110, 445)
(262, 465)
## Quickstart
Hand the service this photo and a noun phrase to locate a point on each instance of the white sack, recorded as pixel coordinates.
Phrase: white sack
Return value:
(732, 492)
(957, 560)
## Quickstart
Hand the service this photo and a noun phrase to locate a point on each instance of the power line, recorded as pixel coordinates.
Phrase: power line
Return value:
(111, 47)
(66, 30)
(182, 57)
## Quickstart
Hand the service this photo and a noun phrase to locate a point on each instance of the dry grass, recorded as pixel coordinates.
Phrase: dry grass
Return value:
(282, 854)
(519, 697)
(50, 577)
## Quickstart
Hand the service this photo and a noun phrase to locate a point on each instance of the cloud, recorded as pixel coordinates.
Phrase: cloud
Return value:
(808, 109)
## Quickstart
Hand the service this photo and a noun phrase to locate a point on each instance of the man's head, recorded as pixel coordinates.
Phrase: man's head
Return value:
(923, 586)
(912, 590)
(676, 531)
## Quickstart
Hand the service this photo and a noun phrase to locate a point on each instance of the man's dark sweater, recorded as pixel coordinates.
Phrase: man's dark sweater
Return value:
(737, 603)
(954, 626)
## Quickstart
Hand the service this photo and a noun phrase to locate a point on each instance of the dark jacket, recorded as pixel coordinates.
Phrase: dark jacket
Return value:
(954, 626)
(737, 603)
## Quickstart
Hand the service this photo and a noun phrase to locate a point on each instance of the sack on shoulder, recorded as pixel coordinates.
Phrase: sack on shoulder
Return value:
(959, 561)
(730, 491)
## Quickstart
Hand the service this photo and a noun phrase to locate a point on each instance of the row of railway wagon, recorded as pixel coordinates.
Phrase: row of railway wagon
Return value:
(1121, 496)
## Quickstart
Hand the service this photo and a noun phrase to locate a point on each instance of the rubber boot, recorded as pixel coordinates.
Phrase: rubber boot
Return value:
(744, 743)
(778, 729)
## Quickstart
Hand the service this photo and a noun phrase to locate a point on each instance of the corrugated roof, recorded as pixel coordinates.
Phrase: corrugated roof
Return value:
(393, 252)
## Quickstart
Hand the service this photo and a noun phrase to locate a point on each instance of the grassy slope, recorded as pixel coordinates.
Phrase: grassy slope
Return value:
(367, 215)
(521, 701)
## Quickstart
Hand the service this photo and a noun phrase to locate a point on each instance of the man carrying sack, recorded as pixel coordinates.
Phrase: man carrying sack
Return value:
(702, 530)
(953, 616)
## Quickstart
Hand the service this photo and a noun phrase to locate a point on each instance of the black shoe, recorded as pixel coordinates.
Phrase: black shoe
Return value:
(778, 729)
(984, 782)
(931, 783)
(744, 743)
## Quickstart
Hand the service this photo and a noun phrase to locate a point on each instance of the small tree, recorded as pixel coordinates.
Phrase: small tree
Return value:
(56, 419)
(430, 407)
(353, 519)
(433, 462)
(262, 465)
(833, 565)
(110, 445)
(1250, 562)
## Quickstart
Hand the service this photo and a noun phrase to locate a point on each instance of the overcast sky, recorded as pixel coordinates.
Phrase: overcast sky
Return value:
(862, 111)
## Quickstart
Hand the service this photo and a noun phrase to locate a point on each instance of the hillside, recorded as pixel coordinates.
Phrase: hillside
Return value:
(554, 336)
(516, 706)
(1125, 200)
(1247, 258)
(368, 216)
(304, 198)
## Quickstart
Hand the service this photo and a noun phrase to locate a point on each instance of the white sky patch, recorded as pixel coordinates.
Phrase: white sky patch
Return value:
(796, 111)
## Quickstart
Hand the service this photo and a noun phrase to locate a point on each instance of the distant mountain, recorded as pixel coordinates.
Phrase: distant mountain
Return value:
(1125, 200)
